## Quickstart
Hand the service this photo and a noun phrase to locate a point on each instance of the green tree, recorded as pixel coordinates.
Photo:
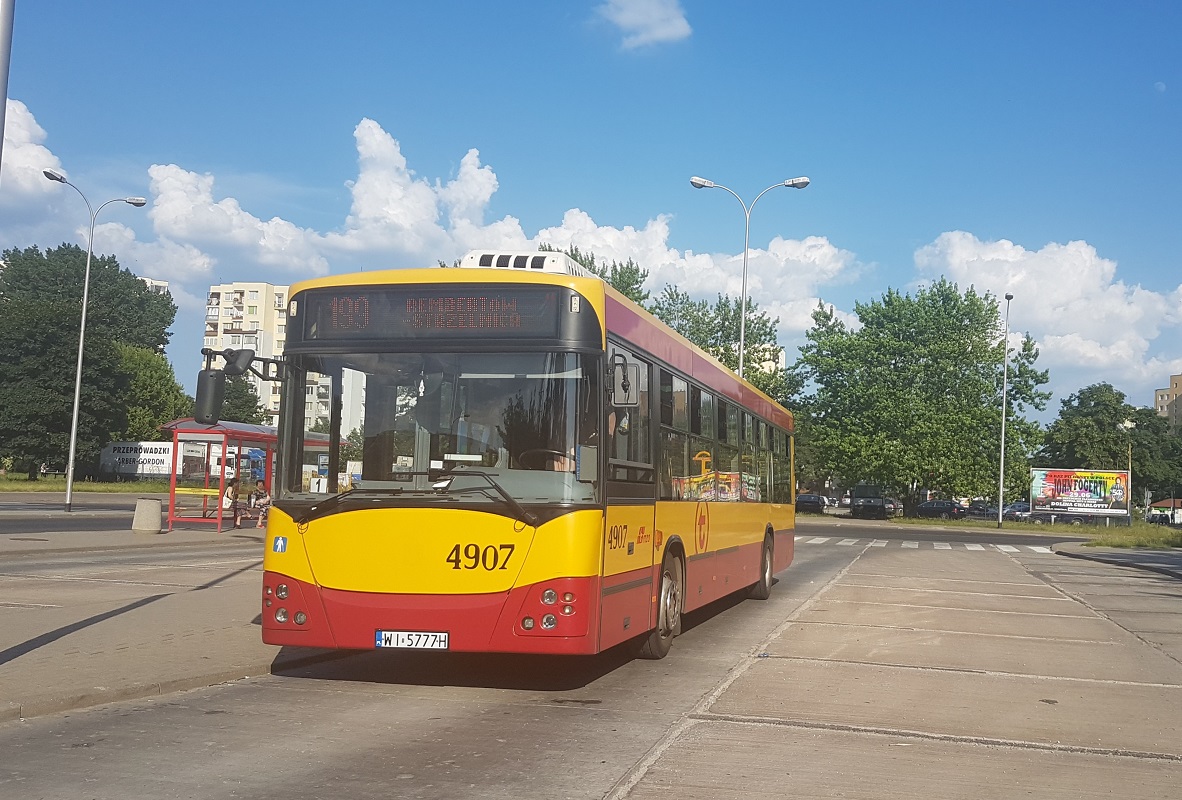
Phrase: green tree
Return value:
(1093, 431)
(153, 396)
(40, 315)
(353, 447)
(911, 397)
(242, 402)
(120, 306)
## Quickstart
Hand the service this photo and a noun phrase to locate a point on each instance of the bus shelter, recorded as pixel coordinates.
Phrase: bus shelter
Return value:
(208, 459)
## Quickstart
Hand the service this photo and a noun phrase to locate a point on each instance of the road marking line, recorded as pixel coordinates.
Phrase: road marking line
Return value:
(848, 542)
(818, 540)
(1038, 548)
(1006, 548)
(941, 545)
(974, 546)
(878, 543)
(912, 545)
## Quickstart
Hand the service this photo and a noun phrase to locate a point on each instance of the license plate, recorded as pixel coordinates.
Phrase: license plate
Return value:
(412, 640)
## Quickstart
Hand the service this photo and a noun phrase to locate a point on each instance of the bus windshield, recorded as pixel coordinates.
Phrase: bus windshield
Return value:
(404, 421)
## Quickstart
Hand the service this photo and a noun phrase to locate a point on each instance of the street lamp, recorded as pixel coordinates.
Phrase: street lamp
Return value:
(138, 202)
(1005, 374)
(702, 183)
(1127, 426)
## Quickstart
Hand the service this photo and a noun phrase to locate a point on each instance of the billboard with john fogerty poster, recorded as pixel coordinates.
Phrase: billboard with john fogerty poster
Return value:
(1076, 491)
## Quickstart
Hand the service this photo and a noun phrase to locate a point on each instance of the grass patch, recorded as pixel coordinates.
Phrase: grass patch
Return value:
(21, 483)
(1139, 534)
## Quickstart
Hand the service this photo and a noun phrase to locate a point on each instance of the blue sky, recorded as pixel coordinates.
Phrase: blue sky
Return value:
(1029, 147)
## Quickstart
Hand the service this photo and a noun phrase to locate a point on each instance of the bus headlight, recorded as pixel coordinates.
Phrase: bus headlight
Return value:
(528, 623)
(300, 618)
(281, 615)
(549, 597)
(549, 621)
(281, 591)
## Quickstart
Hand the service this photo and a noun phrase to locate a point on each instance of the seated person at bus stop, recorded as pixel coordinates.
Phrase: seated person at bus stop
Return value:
(260, 501)
(232, 503)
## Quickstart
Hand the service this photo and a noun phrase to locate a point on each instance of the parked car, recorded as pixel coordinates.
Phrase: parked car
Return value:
(893, 507)
(941, 509)
(1158, 518)
(1016, 512)
(810, 503)
(979, 509)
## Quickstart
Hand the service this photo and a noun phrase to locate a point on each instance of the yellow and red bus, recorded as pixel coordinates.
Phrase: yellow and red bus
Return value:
(519, 459)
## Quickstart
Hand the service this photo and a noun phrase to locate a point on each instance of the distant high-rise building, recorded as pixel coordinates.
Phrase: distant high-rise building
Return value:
(249, 315)
(1168, 402)
(159, 287)
(253, 315)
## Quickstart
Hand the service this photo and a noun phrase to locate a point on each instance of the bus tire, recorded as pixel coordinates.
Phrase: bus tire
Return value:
(762, 589)
(669, 599)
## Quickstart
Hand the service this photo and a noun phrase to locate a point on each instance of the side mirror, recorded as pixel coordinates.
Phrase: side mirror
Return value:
(237, 361)
(625, 383)
(211, 393)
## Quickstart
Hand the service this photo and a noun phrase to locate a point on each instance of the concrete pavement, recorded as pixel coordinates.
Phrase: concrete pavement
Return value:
(181, 626)
(905, 658)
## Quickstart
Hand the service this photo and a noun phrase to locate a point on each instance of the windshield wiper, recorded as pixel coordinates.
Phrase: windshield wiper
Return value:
(329, 504)
(444, 484)
(441, 484)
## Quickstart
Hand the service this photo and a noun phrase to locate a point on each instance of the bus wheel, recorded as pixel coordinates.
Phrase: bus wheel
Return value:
(762, 589)
(660, 638)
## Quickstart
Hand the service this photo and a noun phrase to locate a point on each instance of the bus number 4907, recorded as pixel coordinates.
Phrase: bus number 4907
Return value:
(471, 556)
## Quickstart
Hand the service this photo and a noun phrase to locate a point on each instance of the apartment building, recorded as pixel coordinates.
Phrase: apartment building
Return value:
(254, 315)
(155, 286)
(1168, 402)
(249, 315)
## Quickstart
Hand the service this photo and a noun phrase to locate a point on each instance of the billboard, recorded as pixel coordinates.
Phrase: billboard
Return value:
(1080, 491)
(142, 459)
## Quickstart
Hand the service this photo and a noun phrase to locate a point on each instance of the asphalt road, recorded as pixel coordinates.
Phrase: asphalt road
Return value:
(876, 670)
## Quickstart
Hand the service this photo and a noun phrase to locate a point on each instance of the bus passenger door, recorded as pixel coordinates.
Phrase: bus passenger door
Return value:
(630, 542)
(628, 556)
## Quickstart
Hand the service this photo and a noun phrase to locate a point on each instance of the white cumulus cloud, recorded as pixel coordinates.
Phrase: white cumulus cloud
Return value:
(1085, 320)
(645, 22)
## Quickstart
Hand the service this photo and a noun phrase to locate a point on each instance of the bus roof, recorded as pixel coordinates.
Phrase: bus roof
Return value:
(621, 316)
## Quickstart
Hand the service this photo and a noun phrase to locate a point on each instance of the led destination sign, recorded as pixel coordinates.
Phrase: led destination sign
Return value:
(444, 312)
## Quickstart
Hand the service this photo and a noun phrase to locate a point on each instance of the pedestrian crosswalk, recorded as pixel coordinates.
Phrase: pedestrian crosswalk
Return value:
(914, 545)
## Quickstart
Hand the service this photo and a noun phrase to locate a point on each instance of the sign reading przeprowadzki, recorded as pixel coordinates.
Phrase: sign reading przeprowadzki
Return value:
(143, 459)
(1080, 491)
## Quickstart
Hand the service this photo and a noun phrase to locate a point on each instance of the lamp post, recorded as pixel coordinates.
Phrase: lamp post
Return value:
(138, 202)
(1127, 426)
(1005, 374)
(702, 183)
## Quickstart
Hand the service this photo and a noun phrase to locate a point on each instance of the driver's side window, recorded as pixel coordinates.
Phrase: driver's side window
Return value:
(629, 430)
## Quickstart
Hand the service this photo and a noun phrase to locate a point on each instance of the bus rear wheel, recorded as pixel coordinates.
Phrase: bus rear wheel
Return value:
(762, 589)
(660, 639)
